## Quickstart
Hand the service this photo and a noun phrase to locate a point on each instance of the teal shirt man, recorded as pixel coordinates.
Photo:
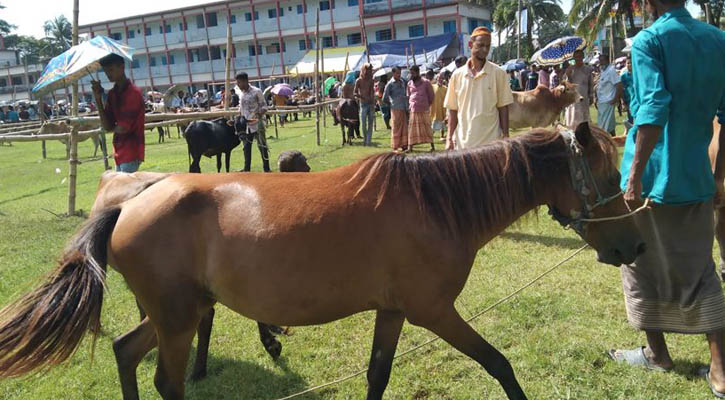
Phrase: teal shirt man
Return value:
(626, 79)
(677, 85)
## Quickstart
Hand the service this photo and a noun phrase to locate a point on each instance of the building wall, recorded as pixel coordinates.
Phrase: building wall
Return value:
(198, 52)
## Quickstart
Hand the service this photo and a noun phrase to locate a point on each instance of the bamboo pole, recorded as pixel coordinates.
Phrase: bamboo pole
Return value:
(228, 70)
(518, 33)
(41, 108)
(322, 87)
(73, 159)
(407, 60)
(317, 76)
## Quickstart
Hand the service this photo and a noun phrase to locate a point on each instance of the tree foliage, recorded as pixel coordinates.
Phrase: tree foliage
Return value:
(5, 26)
(716, 10)
(590, 16)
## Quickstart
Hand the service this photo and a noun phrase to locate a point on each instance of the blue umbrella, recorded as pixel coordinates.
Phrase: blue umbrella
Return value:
(514, 65)
(559, 50)
(78, 61)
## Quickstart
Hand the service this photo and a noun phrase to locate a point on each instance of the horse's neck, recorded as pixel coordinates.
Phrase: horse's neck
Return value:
(547, 177)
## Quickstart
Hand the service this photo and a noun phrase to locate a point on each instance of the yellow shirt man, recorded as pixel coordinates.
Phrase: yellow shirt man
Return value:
(477, 99)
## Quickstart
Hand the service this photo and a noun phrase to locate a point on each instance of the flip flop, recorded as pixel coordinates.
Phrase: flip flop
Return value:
(705, 372)
(634, 357)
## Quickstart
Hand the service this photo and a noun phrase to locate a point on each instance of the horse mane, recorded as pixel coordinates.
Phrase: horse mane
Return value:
(469, 190)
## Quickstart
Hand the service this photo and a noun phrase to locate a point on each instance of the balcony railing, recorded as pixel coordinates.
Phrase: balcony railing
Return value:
(400, 5)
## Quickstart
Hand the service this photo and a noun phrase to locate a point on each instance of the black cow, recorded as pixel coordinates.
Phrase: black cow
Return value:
(347, 115)
(212, 138)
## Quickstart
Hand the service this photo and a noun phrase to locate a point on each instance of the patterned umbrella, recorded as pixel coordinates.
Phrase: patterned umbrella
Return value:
(78, 61)
(282, 89)
(559, 50)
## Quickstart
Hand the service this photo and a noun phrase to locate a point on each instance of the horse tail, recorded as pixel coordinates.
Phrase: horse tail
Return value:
(46, 326)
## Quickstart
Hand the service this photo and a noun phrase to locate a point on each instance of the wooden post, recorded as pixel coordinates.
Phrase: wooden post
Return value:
(322, 87)
(41, 109)
(365, 37)
(407, 60)
(227, 75)
(317, 77)
(276, 133)
(73, 139)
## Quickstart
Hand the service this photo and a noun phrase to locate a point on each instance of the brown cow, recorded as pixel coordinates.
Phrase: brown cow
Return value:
(541, 107)
(49, 128)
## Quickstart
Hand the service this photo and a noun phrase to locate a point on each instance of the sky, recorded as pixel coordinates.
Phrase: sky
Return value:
(30, 22)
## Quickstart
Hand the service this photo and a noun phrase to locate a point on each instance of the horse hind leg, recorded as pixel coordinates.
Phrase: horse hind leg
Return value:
(174, 347)
(387, 331)
(129, 349)
(203, 331)
(449, 325)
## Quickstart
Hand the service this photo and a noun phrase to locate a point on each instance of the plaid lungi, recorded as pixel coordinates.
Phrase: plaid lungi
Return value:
(399, 131)
(419, 128)
(673, 286)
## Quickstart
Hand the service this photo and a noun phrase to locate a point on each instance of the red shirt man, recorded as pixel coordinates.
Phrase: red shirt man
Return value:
(124, 114)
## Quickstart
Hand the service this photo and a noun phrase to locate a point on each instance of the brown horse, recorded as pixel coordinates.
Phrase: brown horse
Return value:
(115, 188)
(275, 248)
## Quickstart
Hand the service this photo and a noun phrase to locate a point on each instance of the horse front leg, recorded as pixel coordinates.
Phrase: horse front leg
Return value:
(270, 343)
(449, 325)
(129, 350)
(387, 331)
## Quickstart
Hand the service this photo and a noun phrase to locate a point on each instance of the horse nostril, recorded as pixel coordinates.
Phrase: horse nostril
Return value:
(641, 248)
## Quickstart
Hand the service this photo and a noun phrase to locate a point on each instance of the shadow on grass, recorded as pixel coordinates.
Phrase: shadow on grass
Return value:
(566, 243)
(235, 379)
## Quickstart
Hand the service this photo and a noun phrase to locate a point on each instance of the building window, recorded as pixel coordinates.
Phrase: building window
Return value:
(200, 21)
(134, 63)
(116, 36)
(163, 60)
(232, 19)
(216, 53)
(327, 4)
(300, 9)
(131, 34)
(303, 44)
(273, 48)
(352, 3)
(182, 26)
(383, 34)
(168, 29)
(152, 61)
(415, 31)
(327, 42)
(202, 54)
(373, 1)
(148, 31)
(190, 56)
(171, 59)
(248, 16)
(354, 38)
(17, 80)
(211, 19)
(474, 23)
(272, 12)
(449, 27)
(258, 51)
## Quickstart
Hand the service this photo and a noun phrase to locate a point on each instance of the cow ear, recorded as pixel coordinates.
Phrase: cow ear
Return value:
(583, 134)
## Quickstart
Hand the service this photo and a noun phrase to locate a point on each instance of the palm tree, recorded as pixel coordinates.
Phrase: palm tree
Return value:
(538, 12)
(592, 15)
(58, 32)
(5, 26)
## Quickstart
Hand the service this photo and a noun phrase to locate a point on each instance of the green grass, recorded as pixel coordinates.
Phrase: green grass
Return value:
(555, 333)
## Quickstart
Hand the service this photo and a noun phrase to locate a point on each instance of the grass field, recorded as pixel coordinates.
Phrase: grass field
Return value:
(555, 333)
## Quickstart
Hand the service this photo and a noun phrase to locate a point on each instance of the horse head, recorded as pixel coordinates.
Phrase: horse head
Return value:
(593, 205)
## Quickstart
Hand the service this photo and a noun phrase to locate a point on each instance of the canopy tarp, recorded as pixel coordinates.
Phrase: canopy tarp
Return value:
(427, 50)
(334, 60)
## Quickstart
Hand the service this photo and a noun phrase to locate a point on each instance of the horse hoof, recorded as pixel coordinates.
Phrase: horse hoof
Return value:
(198, 375)
(274, 349)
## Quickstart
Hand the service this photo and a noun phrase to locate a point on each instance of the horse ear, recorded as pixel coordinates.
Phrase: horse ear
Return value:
(583, 134)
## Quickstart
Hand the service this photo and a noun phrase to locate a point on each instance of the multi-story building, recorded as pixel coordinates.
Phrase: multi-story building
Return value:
(16, 79)
(188, 45)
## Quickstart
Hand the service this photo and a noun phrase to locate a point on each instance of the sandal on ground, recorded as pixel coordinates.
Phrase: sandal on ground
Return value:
(634, 357)
(705, 372)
